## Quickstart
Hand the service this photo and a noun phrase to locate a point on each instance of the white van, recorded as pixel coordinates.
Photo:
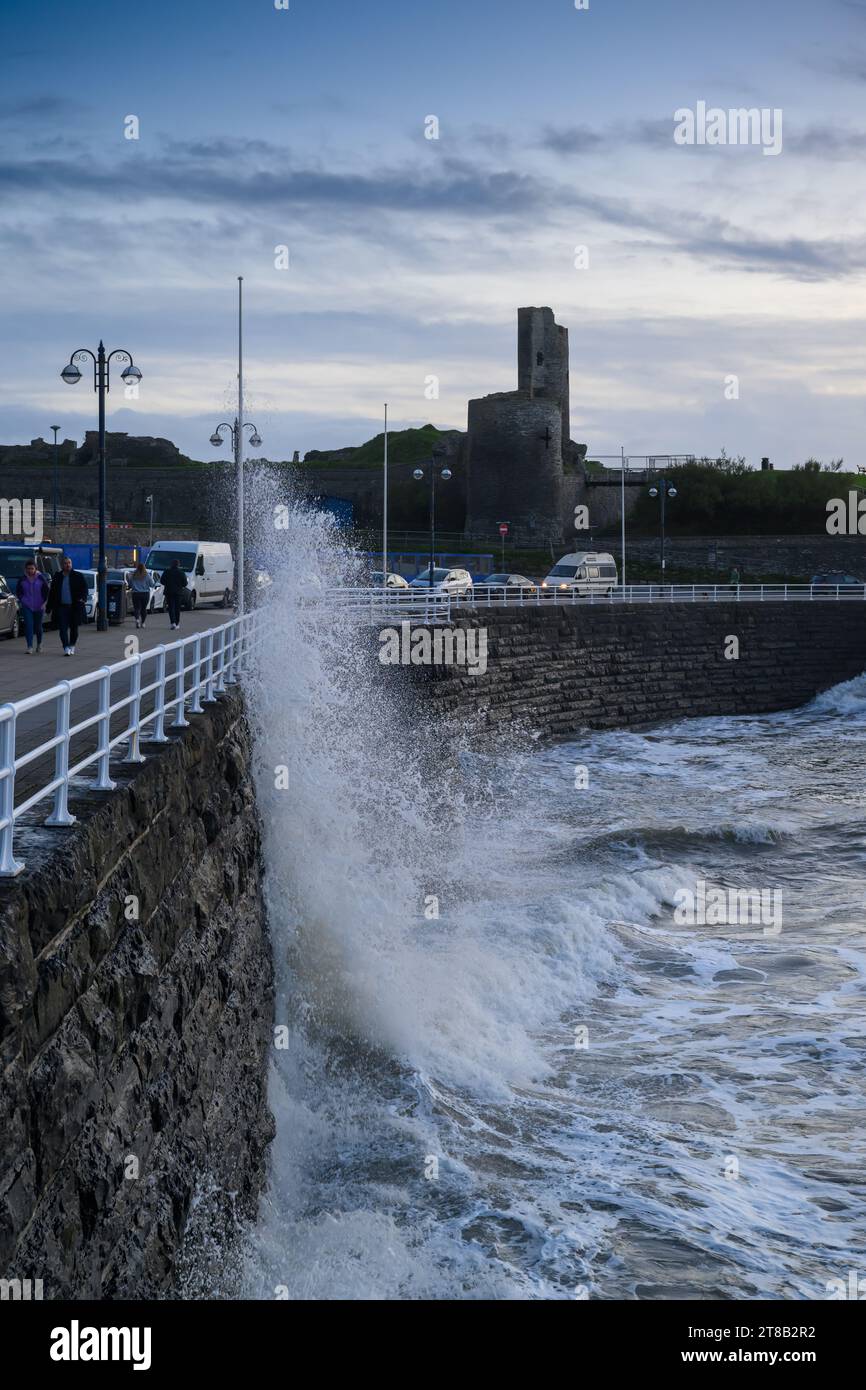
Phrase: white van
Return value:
(208, 565)
(588, 571)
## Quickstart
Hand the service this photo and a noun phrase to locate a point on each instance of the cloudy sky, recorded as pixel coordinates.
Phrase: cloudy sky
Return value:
(408, 257)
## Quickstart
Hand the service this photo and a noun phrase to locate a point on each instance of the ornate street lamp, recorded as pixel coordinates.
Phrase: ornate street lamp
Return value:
(56, 429)
(236, 431)
(663, 490)
(418, 475)
(71, 374)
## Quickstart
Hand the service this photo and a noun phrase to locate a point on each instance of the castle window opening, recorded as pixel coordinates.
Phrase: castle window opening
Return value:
(539, 359)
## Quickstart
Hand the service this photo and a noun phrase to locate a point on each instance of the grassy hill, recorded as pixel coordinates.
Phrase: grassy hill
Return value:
(404, 446)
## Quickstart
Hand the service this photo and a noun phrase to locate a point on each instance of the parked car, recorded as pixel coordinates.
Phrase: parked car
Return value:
(393, 581)
(8, 611)
(587, 571)
(507, 585)
(456, 582)
(837, 578)
(14, 556)
(208, 565)
(157, 594)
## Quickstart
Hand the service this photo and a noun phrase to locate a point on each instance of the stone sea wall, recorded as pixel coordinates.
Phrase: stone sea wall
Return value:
(135, 1023)
(555, 670)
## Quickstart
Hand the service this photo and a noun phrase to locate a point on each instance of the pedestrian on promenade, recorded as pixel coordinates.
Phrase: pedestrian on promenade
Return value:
(32, 592)
(734, 578)
(67, 598)
(140, 585)
(173, 581)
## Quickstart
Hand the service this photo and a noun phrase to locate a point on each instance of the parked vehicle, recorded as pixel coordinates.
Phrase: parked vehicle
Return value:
(8, 611)
(13, 558)
(157, 594)
(587, 571)
(90, 579)
(208, 565)
(836, 578)
(394, 581)
(506, 585)
(456, 582)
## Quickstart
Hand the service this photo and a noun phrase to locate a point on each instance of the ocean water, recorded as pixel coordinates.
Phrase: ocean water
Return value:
(508, 1068)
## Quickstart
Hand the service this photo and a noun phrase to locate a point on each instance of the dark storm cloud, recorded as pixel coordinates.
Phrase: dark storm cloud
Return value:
(225, 176)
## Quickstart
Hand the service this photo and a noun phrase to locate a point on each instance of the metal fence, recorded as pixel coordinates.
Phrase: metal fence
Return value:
(171, 680)
(538, 595)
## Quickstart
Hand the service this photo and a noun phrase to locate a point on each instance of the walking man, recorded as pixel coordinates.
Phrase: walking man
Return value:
(32, 592)
(66, 601)
(173, 582)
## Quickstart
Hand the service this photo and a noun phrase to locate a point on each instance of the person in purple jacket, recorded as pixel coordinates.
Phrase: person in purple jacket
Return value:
(32, 593)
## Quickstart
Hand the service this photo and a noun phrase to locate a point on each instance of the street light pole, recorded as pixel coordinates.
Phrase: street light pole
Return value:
(71, 374)
(239, 449)
(54, 510)
(150, 500)
(444, 474)
(664, 490)
(385, 508)
(236, 432)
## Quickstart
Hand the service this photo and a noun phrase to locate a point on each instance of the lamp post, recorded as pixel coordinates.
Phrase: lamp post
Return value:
(150, 500)
(444, 474)
(55, 428)
(236, 431)
(663, 490)
(130, 375)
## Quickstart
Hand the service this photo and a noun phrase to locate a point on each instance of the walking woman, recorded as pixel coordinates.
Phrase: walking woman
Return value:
(32, 592)
(140, 584)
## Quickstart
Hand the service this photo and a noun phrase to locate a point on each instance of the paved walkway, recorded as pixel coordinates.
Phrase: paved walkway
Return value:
(22, 675)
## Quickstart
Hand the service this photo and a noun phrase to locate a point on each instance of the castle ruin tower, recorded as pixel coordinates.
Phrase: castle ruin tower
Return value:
(542, 362)
(519, 440)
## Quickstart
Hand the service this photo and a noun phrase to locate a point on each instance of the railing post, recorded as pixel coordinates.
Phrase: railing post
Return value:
(180, 720)
(196, 706)
(159, 735)
(103, 781)
(133, 752)
(9, 865)
(221, 664)
(61, 814)
(230, 633)
(209, 697)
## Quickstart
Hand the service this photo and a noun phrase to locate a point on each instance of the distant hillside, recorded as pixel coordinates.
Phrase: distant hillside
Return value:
(404, 446)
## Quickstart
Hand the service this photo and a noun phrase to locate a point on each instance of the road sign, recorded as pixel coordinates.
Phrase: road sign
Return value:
(503, 528)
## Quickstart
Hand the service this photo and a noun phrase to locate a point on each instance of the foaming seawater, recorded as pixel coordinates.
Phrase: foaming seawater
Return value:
(509, 1071)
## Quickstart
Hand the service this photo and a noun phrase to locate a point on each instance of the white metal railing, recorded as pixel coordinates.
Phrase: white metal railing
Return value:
(378, 603)
(537, 595)
(212, 659)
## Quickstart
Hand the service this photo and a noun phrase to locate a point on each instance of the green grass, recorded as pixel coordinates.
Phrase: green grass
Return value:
(404, 446)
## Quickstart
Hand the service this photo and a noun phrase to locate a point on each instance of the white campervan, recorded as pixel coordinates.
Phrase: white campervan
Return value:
(587, 571)
(208, 565)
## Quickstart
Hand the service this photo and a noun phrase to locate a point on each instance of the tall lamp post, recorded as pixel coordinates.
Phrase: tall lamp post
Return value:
(663, 490)
(150, 500)
(55, 428)
(236, 431)
(418, 475)
(130, 375)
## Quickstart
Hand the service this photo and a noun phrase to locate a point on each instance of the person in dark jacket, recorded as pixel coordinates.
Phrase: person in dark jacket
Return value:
(67, 598)
(32, 592)
(173, 582)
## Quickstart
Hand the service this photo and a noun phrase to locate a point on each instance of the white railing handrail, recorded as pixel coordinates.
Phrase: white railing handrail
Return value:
(219, 658)
(538, 595)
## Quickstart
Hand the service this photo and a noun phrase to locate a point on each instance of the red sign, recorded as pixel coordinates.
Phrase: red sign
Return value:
(503, 528)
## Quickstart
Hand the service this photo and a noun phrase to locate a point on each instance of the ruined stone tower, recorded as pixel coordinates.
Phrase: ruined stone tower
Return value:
(542, 362)
(517, 440)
